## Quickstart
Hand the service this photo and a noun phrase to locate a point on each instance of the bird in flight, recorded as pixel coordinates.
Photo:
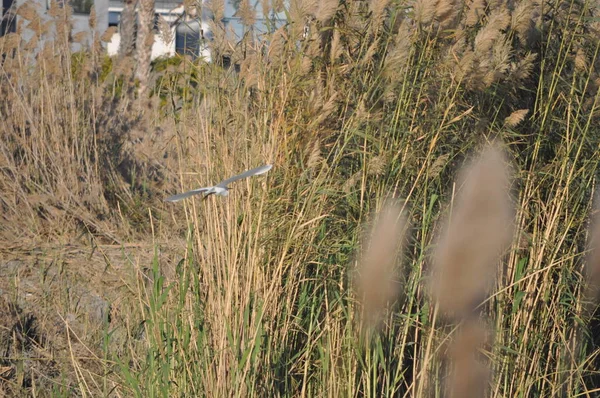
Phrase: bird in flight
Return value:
(221, 188)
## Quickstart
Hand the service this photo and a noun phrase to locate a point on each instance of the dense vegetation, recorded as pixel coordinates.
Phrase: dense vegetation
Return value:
(107, 290)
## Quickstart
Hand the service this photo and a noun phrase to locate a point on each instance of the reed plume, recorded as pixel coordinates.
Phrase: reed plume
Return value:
(592, 264)
(127, 27)
(247, 13)
(326, 10)
(465, 264)
(477, 234)
(144, 41)
(516, 117)
(166, 33)
(469, 374)
(378, 275)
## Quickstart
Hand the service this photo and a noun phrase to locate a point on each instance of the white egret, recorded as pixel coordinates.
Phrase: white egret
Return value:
(221, 188)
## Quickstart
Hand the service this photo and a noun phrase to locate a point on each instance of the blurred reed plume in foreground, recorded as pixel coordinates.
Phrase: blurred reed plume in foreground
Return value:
(145, 38)
(478, 232)
(379, 279)
(470, 374)
(592, 266)
(588, 332)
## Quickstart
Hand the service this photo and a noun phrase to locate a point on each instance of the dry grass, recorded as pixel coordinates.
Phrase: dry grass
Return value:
(113, 292)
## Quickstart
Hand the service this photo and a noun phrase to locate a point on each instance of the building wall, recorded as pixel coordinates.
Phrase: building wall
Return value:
(81, 21)
(159, 47)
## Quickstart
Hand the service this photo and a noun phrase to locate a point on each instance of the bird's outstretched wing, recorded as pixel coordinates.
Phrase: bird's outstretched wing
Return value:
(245, 174)
(178, 197)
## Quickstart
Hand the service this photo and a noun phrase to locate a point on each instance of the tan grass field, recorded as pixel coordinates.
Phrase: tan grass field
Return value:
(428, 227)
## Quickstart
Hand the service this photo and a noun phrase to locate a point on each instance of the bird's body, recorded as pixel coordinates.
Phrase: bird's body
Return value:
(221, 188)
(220, 191)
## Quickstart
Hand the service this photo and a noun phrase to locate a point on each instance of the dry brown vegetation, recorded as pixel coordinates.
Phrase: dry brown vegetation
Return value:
(108, 291)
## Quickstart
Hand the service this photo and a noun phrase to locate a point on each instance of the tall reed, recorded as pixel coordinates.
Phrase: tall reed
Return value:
(252, 295)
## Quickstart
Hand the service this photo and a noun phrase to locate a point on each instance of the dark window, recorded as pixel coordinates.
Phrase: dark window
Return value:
(7, 19)
(156, 27)
(82, 6)
(187, 38)
(114, 18)
(79, 6)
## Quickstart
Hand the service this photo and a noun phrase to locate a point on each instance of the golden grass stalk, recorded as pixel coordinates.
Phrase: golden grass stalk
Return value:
(379, 277)
(477, 234)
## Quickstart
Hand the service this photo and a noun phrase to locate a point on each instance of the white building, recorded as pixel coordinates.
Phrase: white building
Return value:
(173, 13)
(191, 34)
(80, 19)
(108, 13)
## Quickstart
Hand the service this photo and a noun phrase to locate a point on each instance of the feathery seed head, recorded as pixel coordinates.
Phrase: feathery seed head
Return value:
(108, 34)
(166, 32)
(378, 279)
(516, 117)
(476, 236)
(491, 32)
(424, 11)
(247, 13)
(522, 20)
(27, 11)
(377, 8)
(592, 264)
(469, 375)
(475, 12)
(326, 10)
(92, 18)
(315, 155)
(377, 165)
